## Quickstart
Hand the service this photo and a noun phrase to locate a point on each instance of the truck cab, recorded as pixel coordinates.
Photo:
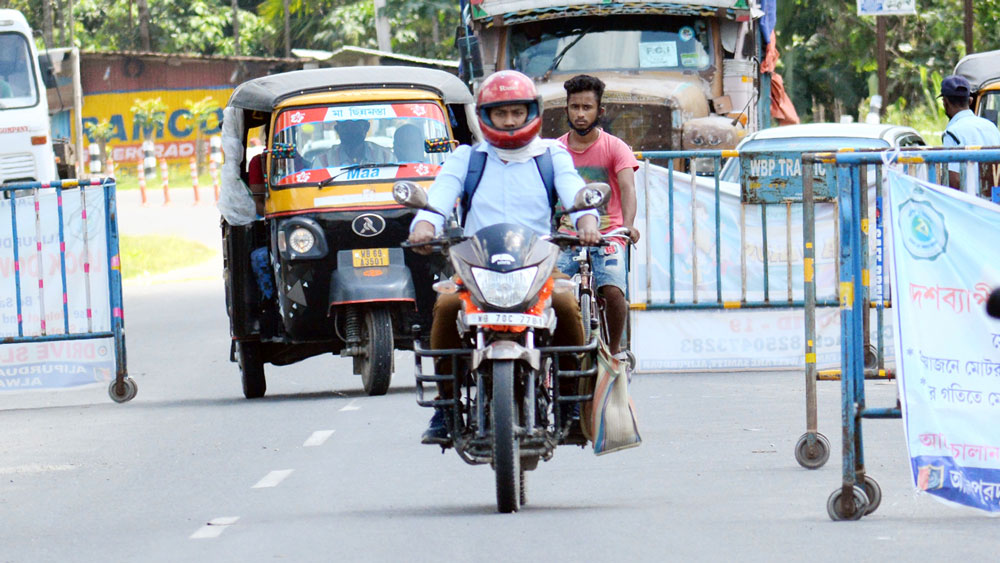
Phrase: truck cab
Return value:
(25, 141)
(677, 76)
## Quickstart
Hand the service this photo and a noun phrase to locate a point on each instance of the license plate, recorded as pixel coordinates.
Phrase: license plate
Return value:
(505, 319)
(370, 257)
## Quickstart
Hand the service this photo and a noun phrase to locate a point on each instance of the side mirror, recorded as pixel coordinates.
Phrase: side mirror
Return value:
(410, 194)
(438, 145)
(592, 196)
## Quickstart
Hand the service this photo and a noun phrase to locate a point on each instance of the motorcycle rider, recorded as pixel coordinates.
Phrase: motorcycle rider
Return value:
(511, 190)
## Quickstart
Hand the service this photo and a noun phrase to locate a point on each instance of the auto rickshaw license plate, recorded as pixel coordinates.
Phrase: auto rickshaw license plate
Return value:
(370, 257)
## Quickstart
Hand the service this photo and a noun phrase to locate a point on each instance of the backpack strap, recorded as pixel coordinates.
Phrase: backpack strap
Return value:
(953, 137)
(545, 169)
(477, 164)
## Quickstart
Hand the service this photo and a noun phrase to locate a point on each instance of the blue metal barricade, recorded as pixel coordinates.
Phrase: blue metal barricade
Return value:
(859, 494)
(50, 235)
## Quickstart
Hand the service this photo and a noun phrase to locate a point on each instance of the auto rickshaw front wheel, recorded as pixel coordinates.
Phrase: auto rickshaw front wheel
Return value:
(376, 345)
(251, 369)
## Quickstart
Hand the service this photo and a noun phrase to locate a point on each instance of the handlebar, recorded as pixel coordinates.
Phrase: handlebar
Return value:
(564, 240)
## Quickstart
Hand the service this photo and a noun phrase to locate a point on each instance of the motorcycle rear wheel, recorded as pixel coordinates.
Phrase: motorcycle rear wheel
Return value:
(506, 447)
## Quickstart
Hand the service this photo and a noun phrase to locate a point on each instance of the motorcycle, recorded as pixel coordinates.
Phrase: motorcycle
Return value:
(507, 407)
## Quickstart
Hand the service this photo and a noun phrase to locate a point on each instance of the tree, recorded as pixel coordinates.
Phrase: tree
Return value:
(144, 20)
(101, 133)
(202, 113)
(149, 115)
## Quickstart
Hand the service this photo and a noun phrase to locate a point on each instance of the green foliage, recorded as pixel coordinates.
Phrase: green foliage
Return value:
(100, 132)
(828, 51)
(203, 113)
(150, 115)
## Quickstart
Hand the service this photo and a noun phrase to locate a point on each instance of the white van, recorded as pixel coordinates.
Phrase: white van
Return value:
(25, 141)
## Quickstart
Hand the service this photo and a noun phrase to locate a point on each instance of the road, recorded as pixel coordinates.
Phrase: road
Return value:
(316, 471)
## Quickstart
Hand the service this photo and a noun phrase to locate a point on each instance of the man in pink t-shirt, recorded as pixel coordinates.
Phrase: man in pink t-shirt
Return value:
(601, 157)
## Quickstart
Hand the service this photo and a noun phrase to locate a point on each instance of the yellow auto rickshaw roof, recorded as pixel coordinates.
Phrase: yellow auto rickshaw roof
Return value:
(268, 92)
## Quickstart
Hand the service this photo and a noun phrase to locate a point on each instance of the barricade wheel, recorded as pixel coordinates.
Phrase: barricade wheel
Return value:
(854, 511)
(874, 493)
(871, 357)
(814, 457)
(129, 389)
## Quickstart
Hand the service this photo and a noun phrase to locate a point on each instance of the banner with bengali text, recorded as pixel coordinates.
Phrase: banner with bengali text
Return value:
(946, 260)
(57, 285)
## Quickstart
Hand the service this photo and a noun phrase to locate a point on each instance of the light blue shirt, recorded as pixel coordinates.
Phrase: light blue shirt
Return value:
(511, 192)
(971, 130)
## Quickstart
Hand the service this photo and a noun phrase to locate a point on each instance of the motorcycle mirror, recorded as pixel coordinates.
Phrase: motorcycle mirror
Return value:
(412, 195)
(592, 196)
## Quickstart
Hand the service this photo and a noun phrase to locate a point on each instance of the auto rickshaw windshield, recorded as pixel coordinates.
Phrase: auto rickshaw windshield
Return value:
(330, 141)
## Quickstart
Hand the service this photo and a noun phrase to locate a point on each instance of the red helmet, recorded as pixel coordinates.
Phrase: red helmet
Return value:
(503, 88)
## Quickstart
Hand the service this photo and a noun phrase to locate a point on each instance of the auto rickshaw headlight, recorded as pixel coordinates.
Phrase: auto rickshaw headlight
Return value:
(301, 240)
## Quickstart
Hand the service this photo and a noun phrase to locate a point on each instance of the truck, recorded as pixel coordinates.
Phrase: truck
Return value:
(678, 76)
(26, 152)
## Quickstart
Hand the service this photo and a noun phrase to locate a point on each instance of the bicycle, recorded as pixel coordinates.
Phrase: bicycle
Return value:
(588, 296)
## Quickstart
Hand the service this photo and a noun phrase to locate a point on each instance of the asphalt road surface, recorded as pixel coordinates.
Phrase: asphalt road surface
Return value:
(316, 471)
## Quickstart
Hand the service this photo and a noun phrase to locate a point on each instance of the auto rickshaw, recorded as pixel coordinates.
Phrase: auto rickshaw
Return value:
(982, 70)
(321, 269)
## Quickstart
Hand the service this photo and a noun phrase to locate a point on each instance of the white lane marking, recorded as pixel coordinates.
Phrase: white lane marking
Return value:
(350, 406)
(34, 468)
(214, 527)
(317, 438)
(273, 478)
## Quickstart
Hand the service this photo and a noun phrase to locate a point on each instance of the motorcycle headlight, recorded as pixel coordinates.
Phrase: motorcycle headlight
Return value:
(301, 240)
(504, 289)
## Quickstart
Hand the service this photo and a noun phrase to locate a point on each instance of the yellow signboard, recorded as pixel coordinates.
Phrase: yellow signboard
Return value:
(173, 140)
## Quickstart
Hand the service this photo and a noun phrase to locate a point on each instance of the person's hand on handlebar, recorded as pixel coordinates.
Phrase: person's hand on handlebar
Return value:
(423, 232)
(633, 233)
(586, 229)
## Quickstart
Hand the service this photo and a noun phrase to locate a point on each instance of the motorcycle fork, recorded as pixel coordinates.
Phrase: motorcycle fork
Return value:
(528, 399)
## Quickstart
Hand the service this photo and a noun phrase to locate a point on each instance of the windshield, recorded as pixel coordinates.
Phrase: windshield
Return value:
(358, 142)
(620, 43)
(731, 170)
(18, 88)
(989, 105)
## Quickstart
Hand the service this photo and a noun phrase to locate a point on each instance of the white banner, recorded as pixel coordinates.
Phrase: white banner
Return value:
(946, 261)
(40, 271)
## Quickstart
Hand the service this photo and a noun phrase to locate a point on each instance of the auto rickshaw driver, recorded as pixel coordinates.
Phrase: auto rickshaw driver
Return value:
(353, 148)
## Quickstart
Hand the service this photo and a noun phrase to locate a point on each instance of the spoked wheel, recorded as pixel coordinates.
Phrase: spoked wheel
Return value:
(874, 493)
(812, 457)
(506, 448)
(251, 369)
(129, 389)
(585, 305)
(376, 339)
(856, 506)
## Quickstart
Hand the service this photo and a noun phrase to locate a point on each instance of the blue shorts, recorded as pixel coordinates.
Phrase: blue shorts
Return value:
(608, 263)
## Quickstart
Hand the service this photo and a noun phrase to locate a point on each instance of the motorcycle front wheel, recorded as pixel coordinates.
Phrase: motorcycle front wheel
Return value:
(506, 447)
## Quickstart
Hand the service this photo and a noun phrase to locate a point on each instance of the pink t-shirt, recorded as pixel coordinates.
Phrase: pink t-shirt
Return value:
(601, 162)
